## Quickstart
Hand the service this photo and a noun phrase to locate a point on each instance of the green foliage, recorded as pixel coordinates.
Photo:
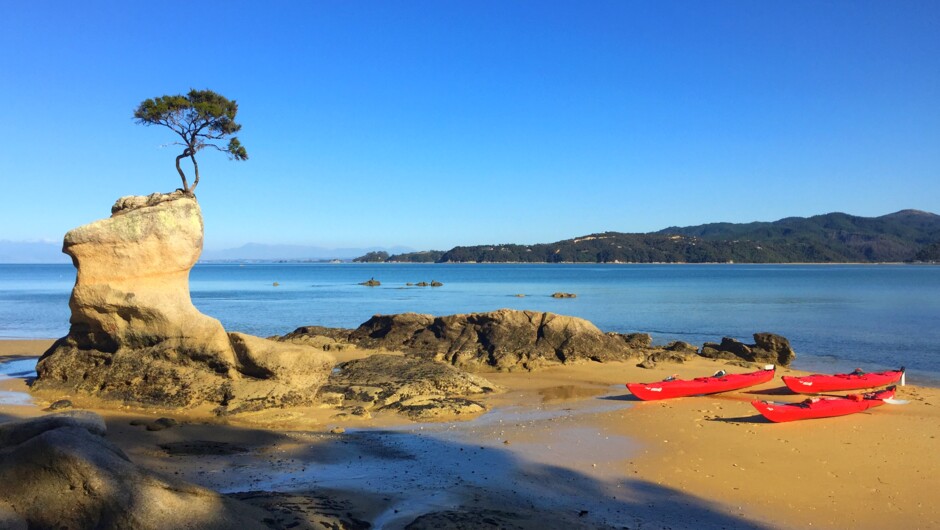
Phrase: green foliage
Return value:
(424, 256)
(373, 257)
(200, 118)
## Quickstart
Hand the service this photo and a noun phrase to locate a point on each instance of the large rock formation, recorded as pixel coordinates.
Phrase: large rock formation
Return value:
(132, 287)
(503, 340)
(59, 471)
(135, 335)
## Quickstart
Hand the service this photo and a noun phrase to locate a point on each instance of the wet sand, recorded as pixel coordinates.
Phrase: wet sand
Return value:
(563, 447)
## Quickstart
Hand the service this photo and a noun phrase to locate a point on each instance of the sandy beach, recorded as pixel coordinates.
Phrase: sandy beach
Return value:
(560, 447)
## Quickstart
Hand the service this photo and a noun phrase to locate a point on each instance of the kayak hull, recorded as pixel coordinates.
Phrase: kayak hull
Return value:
(821, 407)
(699, 385)
(819, 383)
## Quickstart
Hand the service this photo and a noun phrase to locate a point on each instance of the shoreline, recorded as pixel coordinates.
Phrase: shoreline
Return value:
(570, 436)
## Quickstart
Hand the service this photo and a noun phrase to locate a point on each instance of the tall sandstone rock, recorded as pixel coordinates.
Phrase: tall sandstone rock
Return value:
(135, 335)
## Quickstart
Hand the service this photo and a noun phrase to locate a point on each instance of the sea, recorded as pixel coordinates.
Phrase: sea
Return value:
(837, 317)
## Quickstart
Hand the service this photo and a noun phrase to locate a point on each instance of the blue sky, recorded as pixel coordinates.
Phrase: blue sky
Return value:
(435, 124)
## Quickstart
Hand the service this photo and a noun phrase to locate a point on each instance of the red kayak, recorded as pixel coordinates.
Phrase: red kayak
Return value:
(819, 383)
(824, 407)
(720, 382)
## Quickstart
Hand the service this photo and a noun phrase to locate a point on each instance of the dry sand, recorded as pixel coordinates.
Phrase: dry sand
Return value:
(563, 447)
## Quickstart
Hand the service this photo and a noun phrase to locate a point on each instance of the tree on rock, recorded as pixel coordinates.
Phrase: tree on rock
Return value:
(200, 118)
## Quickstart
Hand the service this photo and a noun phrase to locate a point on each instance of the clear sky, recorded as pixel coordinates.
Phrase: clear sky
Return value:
(435, 124)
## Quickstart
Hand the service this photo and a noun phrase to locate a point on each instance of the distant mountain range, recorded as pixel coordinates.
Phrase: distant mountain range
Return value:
(263, 252)
(908, 235)
(41, 252)
(32, 252)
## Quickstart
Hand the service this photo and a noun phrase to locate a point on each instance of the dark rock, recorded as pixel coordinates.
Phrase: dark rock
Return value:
(665, 356)
(681, 347)
(768, 348)
(372, 282)
(736, 347)
(711, 351)
(773, 348)
(336, 334)
(269, 374)
(634, 340)
(435, 283)
(649, 362)
(60, 404)
(564, 295)
(503, 340)
(422, 284)
(418, 388)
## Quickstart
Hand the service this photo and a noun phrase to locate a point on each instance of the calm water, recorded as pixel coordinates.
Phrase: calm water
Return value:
(837, 317)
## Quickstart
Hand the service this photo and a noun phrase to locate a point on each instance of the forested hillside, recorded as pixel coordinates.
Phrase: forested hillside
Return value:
(908, 235)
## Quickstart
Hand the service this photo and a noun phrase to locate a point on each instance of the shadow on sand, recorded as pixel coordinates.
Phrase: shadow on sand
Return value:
(392, 477)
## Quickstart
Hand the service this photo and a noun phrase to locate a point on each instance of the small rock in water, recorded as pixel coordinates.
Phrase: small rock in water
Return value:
(60, 404)
(337, 430)
(275, 284)
(564, 295)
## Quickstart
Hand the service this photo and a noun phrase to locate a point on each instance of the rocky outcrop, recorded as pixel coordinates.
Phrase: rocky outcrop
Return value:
(132, 286)
(502, 340)
(417, 388)
(59, 471)
(135, 336)
(767, 348)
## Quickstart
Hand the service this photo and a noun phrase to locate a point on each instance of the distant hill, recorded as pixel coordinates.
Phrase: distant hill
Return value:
(32, 252)
(908, 235)
(264, 252)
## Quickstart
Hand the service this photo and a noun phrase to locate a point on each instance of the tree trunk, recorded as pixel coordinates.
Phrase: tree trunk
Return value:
(192, 156)
(180, 170)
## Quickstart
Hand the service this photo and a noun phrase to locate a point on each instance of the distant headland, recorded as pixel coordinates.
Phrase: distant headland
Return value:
(904, 236)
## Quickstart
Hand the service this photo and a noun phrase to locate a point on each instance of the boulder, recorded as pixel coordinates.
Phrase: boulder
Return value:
(135, 336)
(59, 471)
(418, 388)
(772, 348)
(634, 340)
(504, 340)
(649, 362)
(679, 346)
(767, 348)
